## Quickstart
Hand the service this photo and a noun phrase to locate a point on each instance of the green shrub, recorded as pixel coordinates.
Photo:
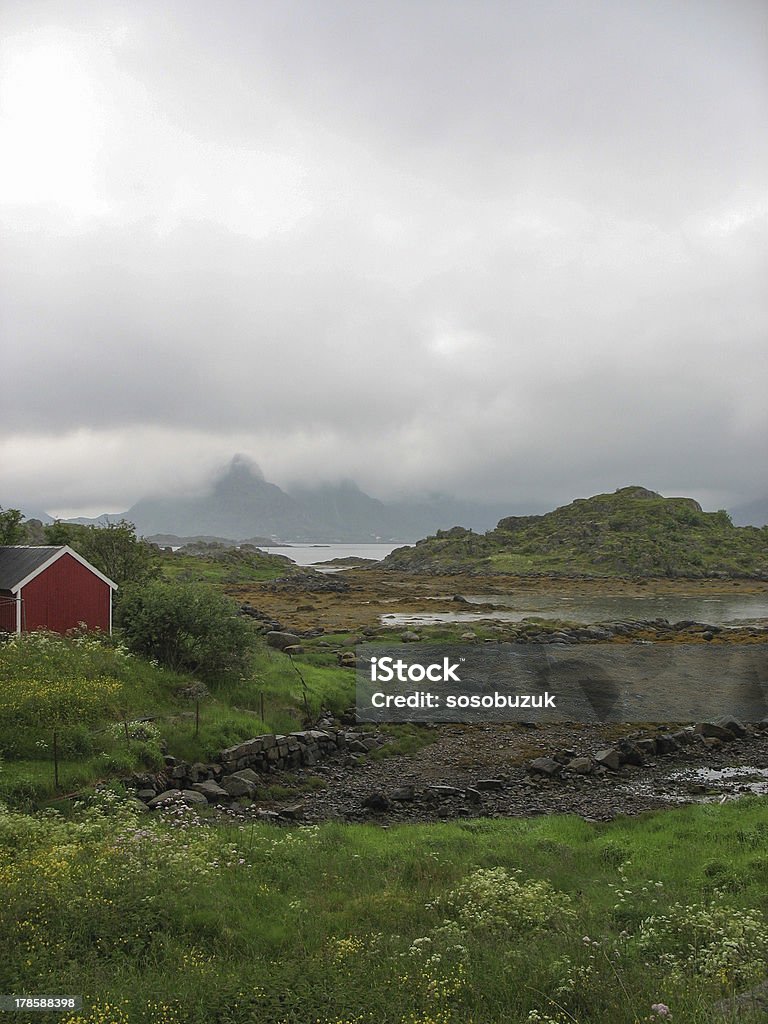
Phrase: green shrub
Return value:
(187, 627)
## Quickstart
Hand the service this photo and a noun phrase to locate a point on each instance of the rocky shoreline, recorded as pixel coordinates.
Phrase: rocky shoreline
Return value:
(468, 772)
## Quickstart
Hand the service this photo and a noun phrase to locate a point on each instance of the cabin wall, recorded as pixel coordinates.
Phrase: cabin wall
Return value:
(63, 596)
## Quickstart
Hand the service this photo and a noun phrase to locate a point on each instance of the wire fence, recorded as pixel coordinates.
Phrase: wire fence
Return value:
(126, 724)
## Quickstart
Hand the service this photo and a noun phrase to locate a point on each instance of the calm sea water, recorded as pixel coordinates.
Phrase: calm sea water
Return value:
(309, 554)
(721, 610)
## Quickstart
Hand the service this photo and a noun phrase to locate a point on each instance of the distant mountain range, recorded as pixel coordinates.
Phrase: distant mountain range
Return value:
(241, 505)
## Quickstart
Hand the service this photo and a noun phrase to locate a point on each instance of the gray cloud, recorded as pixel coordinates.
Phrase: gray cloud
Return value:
(505, 249)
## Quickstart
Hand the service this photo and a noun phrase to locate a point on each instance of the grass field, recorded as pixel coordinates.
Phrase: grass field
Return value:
(477, 922)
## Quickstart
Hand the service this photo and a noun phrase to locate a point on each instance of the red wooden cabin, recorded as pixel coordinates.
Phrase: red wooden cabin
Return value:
(52, 588)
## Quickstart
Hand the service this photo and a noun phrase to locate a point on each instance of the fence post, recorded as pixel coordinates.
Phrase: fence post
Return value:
(55, 759)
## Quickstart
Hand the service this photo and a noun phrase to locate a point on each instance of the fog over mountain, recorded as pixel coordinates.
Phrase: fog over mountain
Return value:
(510, 252)
(242, 505)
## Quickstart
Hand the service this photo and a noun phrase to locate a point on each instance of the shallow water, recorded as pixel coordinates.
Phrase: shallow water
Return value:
(310, 554)
(741, 778)
(704, 785)
(719, 610)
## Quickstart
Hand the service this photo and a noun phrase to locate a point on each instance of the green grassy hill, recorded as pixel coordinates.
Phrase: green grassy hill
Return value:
(218, 564)
(105, 713)
(633, 532)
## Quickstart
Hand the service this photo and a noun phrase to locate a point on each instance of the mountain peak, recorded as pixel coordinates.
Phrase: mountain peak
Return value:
(635, 491)
(242, 467)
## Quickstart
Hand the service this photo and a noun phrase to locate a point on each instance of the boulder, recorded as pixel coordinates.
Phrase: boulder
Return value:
(631, 753)
(280, 640)
(647, 745)
(684, 736)
(176, 796)
(714, 730)
(580, 765)
(293, 811)
(377, 801)
(732, 725)
(212, 791)
(609, 758)
(545, 766)
(666, 744)
(238, 787)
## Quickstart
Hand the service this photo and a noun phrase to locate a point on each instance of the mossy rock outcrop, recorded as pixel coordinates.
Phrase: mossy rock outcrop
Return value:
(632, 532)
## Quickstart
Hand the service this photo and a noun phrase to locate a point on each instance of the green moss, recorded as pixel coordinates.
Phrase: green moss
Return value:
(633, 532)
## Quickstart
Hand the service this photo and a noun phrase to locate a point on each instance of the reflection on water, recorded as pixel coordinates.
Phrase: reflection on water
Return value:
(721, 610)
(704, 785)
(310, 554)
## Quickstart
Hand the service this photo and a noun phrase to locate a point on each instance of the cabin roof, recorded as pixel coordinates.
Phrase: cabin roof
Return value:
(21, 563)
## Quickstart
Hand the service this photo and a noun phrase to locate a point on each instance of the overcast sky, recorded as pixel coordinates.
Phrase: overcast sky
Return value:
(514, 250)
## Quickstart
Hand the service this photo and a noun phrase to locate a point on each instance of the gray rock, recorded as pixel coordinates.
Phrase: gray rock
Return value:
(580, 765)
(714, 730)
(631, 753)
(293, 811)
(666, 744)
(377, 801)
(409, 637)
(403, 794)
(198, 772)
(489, 784)
(609, 758)
(647, 745)
(146, 795)
(248, 774)
(212, 791)
(732, 725)
(545, 766)
(191, 797)
(176, 796)
(170, 796)
(237, 787)
(281, 640)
